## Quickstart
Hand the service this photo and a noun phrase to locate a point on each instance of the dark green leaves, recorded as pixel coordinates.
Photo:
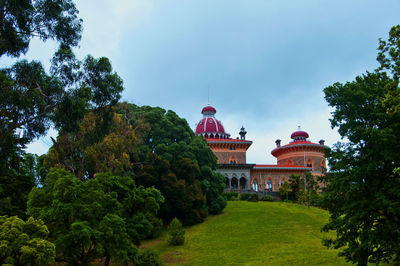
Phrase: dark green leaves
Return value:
(46, 19)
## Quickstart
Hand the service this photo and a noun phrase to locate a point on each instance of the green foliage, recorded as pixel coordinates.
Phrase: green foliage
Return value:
(253, 197)
(32, 100)
(363, 193)
(303, 188)
(284, 190)
(176, 234)
(231, 195)
(389, 59)
(296, 183)
(23, 20)
(93, 148)
(148, 257)
(96, 218)
(15, 185)
(267, 198)
(176, 162)
(25, 243)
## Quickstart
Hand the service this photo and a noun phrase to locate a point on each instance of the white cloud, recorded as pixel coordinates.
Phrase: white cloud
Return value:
(106, 23)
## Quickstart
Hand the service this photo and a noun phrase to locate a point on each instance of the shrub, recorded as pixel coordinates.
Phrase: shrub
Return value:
(253, 197)
(231, 195)
(284, 190)
(267, 198)
(245, 196)
(148, 257)
(176, 234)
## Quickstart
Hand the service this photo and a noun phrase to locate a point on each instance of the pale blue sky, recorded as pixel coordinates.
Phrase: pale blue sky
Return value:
(265, 62)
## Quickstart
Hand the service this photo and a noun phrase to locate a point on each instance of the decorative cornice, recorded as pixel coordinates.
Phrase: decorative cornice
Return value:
(235, 166)
(294, 168)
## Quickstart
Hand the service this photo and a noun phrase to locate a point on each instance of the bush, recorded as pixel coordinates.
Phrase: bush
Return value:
(267, 198)
(231, 195)
(284, 191)
(176, 234)
(148, 257)
(245, 196)
(253, 197)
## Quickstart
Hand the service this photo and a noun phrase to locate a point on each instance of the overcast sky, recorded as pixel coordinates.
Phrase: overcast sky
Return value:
(265, 63)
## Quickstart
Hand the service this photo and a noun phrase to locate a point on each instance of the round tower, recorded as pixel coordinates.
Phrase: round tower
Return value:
(301, 152)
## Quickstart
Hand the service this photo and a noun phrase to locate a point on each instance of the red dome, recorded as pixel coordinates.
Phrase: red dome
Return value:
(208, 108)
(209, 126)
(299, 134)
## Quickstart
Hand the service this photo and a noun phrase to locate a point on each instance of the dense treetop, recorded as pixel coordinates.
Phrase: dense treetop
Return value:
(363, 191)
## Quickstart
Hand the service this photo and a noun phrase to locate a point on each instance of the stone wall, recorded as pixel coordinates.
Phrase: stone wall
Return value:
(224, 157)
(299, 160)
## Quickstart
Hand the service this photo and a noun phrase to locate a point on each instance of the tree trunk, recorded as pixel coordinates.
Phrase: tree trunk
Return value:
(107, 261)
(362, 261)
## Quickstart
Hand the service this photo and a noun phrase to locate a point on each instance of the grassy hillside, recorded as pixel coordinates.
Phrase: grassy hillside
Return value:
(247, 233)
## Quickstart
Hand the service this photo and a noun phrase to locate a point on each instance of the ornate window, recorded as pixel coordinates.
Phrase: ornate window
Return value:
(255, 185)
(233, 160)
(269, 185)
(309, 163)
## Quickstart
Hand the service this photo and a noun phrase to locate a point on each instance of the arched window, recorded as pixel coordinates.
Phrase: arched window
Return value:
(242, 182)
(233, 160)
(255, 185)
(309, 163)
(282, 182)
(226, 182)
(269, 185)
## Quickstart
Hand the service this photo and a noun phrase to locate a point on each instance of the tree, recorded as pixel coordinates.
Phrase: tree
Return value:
(295, 185)
(176, 162)
(45, 19)
(25, 243)
(97, 218)
(176, 234)
(32, 100)
(284, 190)
(363, 193)
(15, 185)
(309, 186)
(389, 59)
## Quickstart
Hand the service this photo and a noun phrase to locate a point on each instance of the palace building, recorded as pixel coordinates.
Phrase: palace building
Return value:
(296, 157)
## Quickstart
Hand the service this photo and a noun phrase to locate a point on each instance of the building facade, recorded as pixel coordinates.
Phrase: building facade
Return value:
(296, 157)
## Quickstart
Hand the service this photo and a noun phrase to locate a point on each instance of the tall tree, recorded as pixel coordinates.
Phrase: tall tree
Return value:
(363, 193)
(46, 19)
(175, 161)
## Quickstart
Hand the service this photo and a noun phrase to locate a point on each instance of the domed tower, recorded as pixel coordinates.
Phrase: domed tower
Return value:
(301, 152)
(209, 127)
(230, 153)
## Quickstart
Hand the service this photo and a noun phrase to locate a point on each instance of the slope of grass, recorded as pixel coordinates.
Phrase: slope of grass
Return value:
(247, 233)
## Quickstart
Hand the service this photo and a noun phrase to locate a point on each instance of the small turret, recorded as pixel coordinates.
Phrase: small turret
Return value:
(242, 133)
(278, 143)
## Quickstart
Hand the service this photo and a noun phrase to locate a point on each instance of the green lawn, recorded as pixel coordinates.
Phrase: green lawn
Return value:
(247, 233)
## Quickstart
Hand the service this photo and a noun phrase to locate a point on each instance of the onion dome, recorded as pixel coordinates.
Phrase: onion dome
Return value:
(299, 135)
(209, 127)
